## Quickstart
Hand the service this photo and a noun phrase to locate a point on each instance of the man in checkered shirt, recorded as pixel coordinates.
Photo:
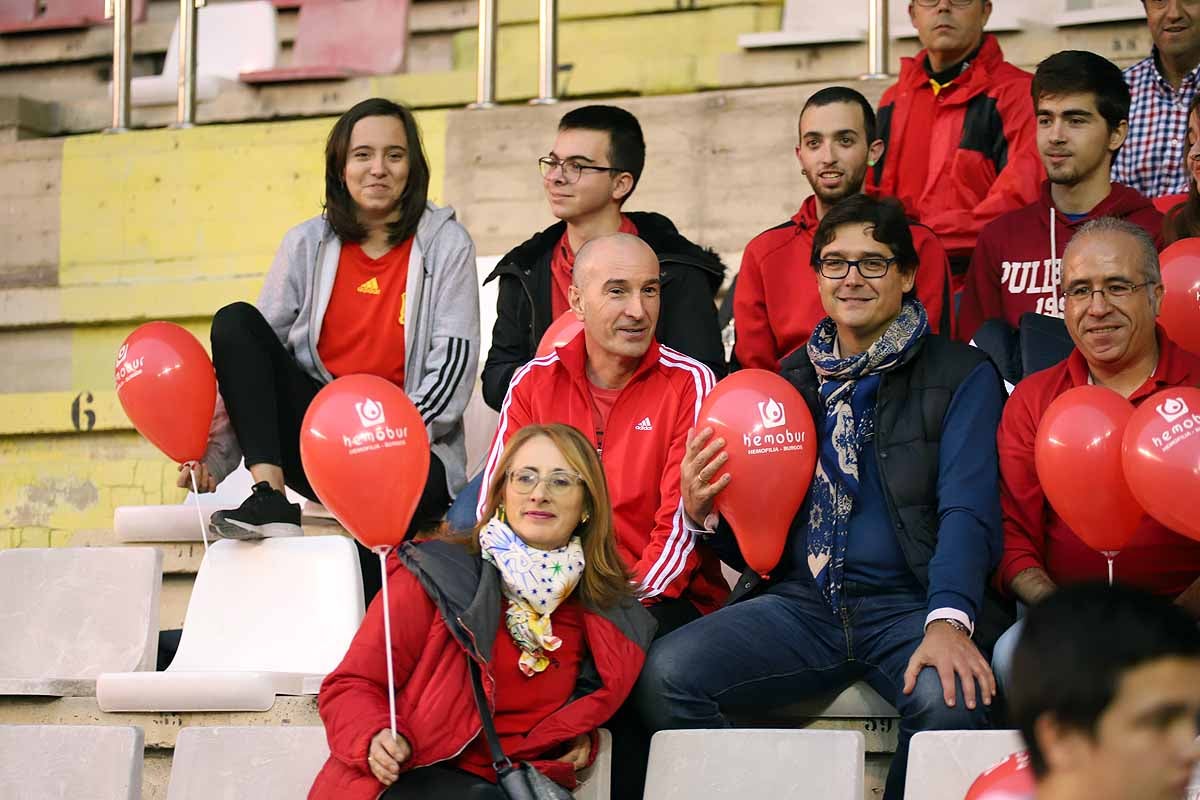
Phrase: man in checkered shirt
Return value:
(1161, 86)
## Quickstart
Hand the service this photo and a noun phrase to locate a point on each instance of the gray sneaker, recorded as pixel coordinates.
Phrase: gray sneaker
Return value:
(265, 513)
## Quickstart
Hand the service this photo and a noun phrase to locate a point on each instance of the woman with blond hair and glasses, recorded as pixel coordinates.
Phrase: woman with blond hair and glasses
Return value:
(536, 597)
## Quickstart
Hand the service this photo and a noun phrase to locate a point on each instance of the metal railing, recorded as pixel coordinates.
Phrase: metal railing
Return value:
(185, 107)
(119, 11)
(485, 83)
(877, 40)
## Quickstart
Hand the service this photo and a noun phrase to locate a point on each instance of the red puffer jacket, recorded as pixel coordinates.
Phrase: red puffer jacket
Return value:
(446, 602)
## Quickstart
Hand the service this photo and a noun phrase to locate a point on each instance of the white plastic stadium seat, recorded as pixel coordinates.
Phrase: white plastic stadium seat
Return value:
(253, 763)
(231, 38)
(69, 614)
(858, 700)
(179, 522)
(595, 782)
(265, 618)
(66, 762)
(736, 764)
(946, 763)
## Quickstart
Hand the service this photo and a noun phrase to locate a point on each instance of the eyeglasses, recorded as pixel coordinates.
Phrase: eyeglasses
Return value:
(870, 267)
(571, 170)
(1113, 291)
(558, 482)
(936, 3)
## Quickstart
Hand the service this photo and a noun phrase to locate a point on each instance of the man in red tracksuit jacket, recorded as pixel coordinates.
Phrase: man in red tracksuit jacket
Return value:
(635, 400)
(776, 304)
(1117, 345)
(959, 129)
(1082, 107)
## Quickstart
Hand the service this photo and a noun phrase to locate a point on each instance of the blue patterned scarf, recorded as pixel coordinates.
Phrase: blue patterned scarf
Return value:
(848, 387)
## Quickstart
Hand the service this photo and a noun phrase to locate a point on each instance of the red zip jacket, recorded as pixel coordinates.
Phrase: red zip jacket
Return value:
(776, 303)
(1013, 272)
(435, 703)
(644, 445)
(1157, 559)
(980, 135)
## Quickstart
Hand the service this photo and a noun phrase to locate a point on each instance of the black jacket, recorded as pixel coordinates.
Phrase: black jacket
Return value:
(912, 402)
(687, 320)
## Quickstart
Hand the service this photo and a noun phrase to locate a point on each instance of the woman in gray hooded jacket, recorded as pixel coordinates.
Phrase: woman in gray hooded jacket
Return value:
(383, 283)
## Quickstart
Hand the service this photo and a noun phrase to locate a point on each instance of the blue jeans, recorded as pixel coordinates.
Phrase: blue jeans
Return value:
(461, 515)
(1002, 656)
(785, 645)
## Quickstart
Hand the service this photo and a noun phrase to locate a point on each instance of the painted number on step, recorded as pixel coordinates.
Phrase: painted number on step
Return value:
(82, 417)
(881, 724)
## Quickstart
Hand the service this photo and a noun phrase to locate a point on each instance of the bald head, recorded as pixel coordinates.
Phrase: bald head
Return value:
(615, 292)
(598, 257)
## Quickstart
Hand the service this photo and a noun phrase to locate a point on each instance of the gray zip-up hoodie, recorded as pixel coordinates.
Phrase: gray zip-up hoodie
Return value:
(441, 331)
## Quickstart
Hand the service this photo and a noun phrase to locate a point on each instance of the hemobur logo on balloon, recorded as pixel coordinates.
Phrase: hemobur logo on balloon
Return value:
(773, 416)
(772, 413)
(126, 369)
(376, 433)
(1183, 422)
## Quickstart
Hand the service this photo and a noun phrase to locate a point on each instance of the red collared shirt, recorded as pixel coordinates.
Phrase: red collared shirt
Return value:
(1156, 559)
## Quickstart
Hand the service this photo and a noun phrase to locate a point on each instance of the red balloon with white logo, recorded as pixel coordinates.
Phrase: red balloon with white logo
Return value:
(1078, 458)
(560, 332)
(1180, 313)
(366, 453)
(166, 384)
(1011, 779)
(1161, 455)
(772, 447)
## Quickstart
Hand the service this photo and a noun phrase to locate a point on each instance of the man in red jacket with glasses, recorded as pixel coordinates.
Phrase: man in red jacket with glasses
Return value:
(959, 129)
(1112, 289)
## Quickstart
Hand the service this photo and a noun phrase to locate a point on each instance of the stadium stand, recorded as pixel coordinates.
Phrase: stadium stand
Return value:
(265, 618)
(73, 613)
(50, 15)
(231, 38)
(945, 763)
(104, 232)
(738, 763)
(265, 763)
(62, 762)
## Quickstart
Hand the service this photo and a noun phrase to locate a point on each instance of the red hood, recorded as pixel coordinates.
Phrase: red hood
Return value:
(1122, 201)
(806, 218)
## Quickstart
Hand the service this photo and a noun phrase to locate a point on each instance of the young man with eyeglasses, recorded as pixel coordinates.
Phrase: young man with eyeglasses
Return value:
(885, 572)
(1162, 86)
(775, 302)
(958, 129)
(1082, 108)
(589, 174)
(1112, 292)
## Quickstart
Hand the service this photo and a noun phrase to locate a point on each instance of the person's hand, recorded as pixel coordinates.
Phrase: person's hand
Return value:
(951, 652)
(701, 463)
(386, 754)
(204, 480)
(579, 751)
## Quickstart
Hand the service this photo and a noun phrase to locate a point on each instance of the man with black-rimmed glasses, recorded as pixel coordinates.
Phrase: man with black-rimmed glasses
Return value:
(588, 175)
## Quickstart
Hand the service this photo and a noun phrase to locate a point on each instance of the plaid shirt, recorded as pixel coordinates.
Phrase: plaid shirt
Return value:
(1151, 160)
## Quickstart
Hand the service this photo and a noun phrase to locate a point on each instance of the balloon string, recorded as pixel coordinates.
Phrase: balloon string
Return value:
(1110, 555)
(199, 511)
(387, 638)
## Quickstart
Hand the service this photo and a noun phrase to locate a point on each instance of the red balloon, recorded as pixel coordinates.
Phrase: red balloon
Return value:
(1166, 202)
(1161, 455)
(771, 443)
(560, 332)
(366, 453)
(1078, 459)
(1180, 314)
(1011, 779)
(166, 384)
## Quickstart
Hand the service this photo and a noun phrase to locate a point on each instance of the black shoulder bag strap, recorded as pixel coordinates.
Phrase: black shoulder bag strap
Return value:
(500, 761)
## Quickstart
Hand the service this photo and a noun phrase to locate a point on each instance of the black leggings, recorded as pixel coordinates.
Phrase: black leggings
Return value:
(442, 783)
(267, 393)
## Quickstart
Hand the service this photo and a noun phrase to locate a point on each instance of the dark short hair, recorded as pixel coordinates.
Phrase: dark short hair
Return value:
(885, 215)
(626, 145)
(341, 212)
(1083, 72)
(1076, 647)
(844, 94)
